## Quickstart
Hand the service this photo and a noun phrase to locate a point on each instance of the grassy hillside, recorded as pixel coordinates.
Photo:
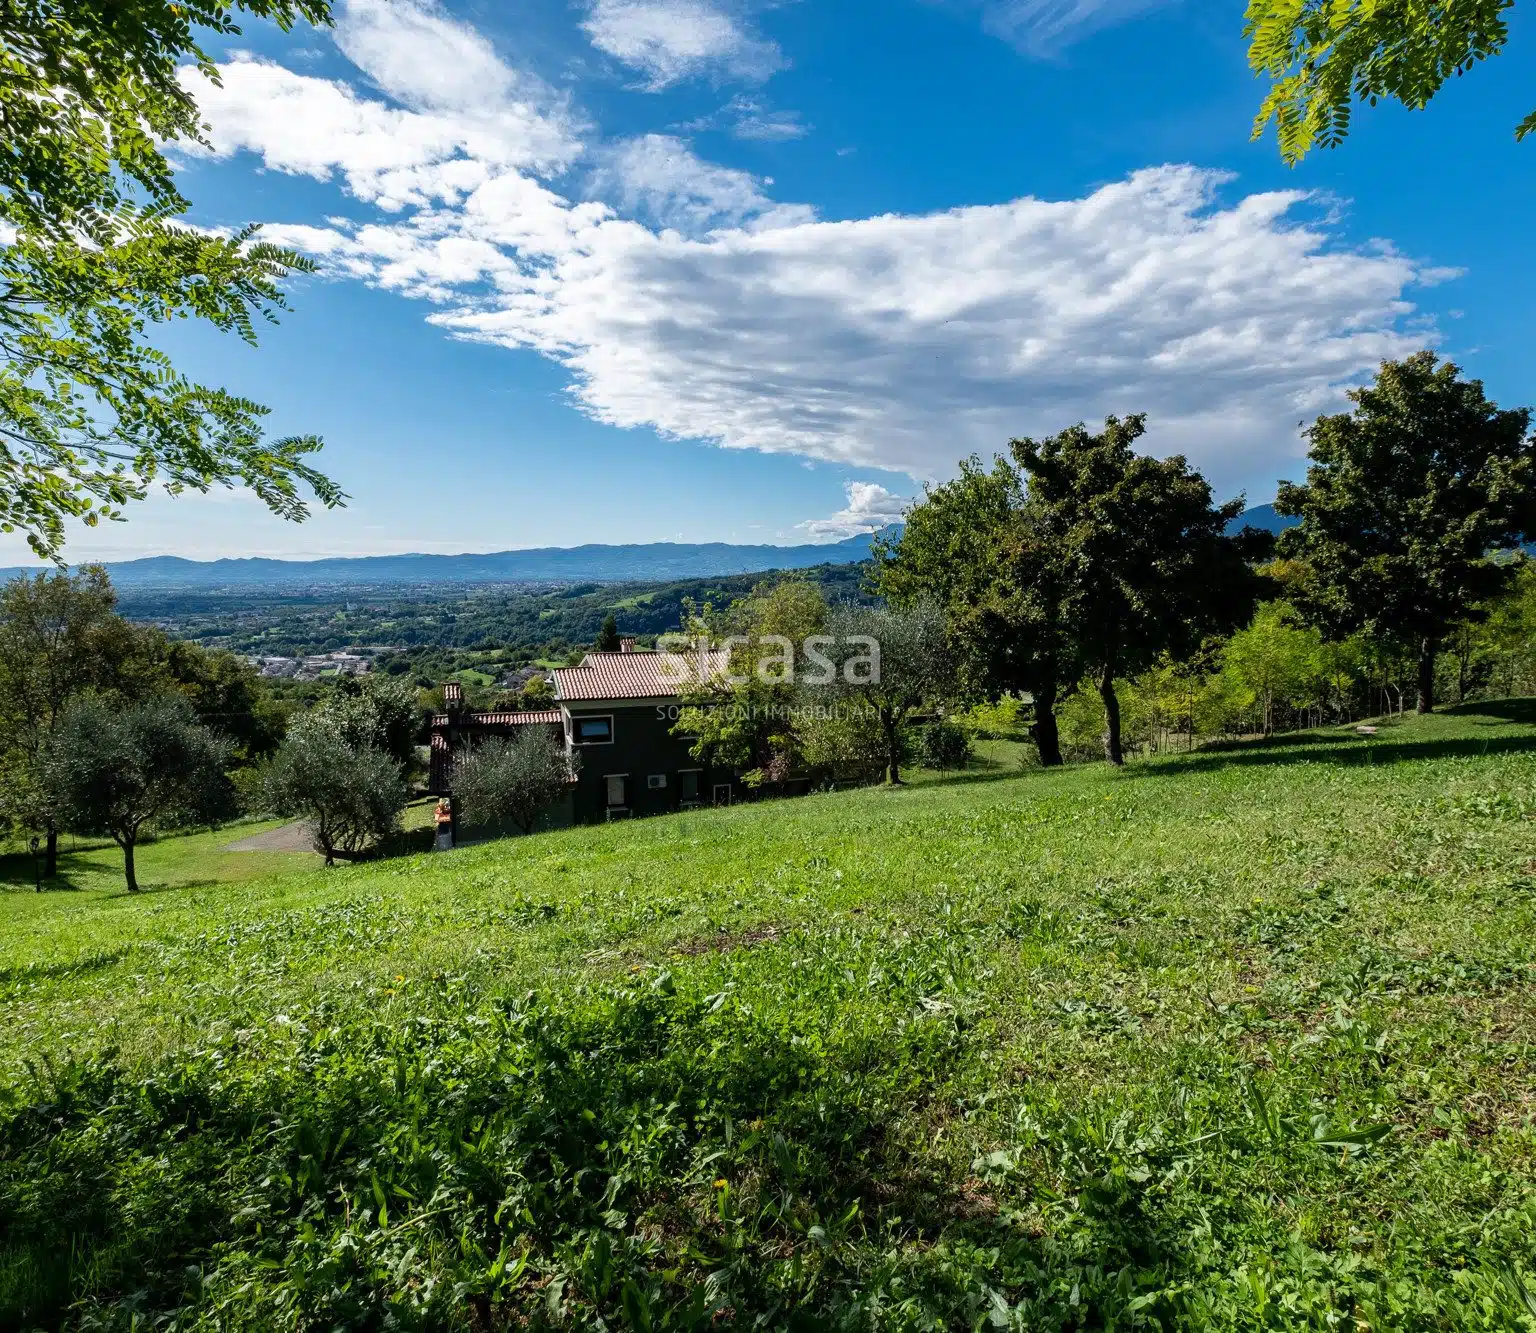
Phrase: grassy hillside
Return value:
(1236, 1040)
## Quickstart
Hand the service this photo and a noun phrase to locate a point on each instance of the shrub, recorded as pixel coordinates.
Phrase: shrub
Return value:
(515, 779)
(943, 745)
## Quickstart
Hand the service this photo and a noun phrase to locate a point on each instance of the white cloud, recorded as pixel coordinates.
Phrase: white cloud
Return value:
(672, 40)
(869, 509)
(687, 300)
(905, 343)
(751, 119)
(660, 178)
(1044, 27)
(386, 155)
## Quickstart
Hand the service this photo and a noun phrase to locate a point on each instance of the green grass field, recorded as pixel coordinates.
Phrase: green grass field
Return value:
(1237, 1040)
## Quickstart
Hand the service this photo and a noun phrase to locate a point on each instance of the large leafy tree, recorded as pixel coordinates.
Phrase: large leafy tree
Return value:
(91, 413)
(971, 548)
(59, 638)
(1141, 553)
(374, 711)
(1325, 55)
(118, 770)
(224, 689)
(1406, 498)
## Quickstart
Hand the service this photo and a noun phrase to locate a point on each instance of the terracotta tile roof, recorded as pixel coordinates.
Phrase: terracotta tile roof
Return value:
(547, 717)
(605, 676)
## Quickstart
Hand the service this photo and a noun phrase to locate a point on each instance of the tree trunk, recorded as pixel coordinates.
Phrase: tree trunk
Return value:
(1427, 675)
(1112, 749)
(1047, 735)
(133, 879)
(51, 855)
(892, 750)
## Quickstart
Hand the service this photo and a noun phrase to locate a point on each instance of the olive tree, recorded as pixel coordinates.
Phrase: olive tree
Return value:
(351, 796)
(892, 660)
(516, 779)
(117, 770)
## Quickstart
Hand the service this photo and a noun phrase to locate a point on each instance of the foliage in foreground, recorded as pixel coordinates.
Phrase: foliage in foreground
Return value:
(1233, 1041)
(1324, 55)
(91, 413)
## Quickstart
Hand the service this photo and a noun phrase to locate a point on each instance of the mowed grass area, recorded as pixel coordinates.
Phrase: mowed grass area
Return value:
(93, 868)
(1237, 1040)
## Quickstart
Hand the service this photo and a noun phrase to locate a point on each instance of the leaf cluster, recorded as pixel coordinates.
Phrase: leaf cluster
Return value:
(1323, 56)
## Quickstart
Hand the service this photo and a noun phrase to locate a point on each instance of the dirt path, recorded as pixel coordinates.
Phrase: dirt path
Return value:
(289, 838)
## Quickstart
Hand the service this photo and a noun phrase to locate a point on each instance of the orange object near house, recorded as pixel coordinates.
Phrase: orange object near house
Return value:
(443, 814)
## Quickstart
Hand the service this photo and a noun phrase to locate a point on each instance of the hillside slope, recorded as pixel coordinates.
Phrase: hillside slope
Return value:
(1232, 1040)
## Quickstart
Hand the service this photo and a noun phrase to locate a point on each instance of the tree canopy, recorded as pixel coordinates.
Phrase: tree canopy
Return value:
(350, 795)
(59, 638)
(970, 547)
(909, 669)
(1139, 549)
(1322, 56)
(91, 413)
(114, 770)
(1406, 498)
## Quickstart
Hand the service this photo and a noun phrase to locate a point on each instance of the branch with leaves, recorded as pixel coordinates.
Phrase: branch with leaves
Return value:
(1323, 56)
(92, 258)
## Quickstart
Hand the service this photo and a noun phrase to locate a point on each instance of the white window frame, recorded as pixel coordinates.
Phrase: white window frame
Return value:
(578, 718)
(608, 791)
(715, 789)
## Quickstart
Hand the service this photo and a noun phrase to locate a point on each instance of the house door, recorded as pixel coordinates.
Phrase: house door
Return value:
(722, 793)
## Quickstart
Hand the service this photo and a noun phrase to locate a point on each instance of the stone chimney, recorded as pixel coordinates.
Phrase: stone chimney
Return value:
(453, 696)
(627, 645)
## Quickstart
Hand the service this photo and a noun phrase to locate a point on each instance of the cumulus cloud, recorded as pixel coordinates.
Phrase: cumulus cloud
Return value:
(672, 40)
(685, 299)
(870, 508)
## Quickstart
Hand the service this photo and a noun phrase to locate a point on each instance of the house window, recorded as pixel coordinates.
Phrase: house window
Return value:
(688, 785)
(722, 793)
(618, 790)
(657, 781)
(594, 731)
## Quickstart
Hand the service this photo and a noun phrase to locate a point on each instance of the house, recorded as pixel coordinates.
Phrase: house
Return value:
(616, 711)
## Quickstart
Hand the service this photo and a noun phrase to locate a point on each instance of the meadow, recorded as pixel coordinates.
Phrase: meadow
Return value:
(1239, 1039)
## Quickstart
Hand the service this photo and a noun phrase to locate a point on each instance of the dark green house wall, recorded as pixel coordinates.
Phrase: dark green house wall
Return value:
(642, 747)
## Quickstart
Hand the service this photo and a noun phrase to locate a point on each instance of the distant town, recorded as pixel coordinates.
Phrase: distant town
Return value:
(348, 662)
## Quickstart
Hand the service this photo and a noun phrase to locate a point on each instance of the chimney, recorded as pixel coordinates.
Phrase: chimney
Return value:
(453, 696)
(626, 645)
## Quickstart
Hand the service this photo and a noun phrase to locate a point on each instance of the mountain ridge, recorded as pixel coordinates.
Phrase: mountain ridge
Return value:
(591, 562)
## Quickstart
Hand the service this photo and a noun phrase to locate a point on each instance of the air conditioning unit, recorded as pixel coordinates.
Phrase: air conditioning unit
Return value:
(657, 781)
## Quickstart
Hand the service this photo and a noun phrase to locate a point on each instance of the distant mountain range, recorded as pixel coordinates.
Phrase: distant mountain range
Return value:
(550, 564)
(553, 564)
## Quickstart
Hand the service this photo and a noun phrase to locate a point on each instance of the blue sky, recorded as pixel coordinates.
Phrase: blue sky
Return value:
(638, 270)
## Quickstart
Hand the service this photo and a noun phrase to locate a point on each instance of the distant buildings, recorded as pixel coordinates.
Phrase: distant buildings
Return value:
(345, 662)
